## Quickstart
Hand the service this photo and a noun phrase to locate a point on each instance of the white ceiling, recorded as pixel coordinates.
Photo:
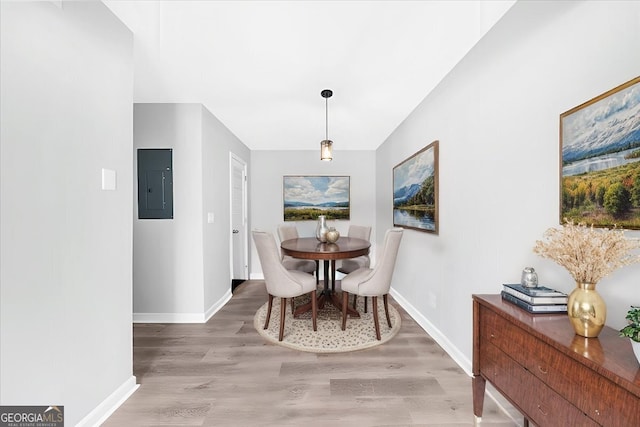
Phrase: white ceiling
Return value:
(259, 66)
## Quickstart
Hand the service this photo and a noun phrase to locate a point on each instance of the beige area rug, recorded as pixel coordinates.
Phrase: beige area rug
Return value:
(329, 338)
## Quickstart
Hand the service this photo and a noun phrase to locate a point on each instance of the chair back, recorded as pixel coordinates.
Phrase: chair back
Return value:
(279, 281)
(359, 232)
(379, 281)
(349, 265)
(287, 232)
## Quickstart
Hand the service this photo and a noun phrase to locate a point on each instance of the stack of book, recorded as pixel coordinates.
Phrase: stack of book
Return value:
(535, 300)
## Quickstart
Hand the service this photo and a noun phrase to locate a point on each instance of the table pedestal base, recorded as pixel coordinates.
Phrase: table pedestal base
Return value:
(330, 298)
(327, 295)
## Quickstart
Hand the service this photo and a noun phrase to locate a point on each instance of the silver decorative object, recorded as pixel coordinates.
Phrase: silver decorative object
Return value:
(529, 278)
(321, 228)
(332, 235)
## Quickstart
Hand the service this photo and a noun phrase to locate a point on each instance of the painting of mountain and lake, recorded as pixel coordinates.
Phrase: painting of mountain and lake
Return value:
(600, 155)
(306, 197)
(415, 191)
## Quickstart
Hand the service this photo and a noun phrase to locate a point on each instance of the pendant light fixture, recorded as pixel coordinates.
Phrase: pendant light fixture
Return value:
(326, 151)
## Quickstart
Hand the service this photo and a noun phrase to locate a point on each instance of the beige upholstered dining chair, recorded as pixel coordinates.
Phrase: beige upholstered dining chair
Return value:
(281, 282)
(287, 232)
(350, 265)
(374, 282)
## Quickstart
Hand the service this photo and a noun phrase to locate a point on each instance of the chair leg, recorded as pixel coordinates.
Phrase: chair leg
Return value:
(292, 306)
(365, 304)
(376, 322)
(386, 308)
(314, 309)
(355, 302)
(345, 302)
(317, 272)
(266, 322)
(283, 309)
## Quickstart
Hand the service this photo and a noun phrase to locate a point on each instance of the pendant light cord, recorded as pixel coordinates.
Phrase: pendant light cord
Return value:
(326, 118)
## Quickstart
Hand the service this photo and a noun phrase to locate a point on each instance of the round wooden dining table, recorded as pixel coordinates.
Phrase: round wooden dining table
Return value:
(312, 248)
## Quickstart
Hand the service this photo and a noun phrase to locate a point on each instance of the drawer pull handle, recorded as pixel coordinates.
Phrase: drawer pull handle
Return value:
(543, 370)
(541, 411)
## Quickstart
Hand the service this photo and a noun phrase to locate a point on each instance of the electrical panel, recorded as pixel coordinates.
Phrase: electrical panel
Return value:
(155, 183)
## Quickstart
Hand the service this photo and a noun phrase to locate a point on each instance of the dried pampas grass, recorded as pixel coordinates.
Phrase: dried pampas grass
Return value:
(588, 254)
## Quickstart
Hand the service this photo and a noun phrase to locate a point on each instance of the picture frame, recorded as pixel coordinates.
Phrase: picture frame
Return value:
(600, 159)
(305, 197)
(415, 191)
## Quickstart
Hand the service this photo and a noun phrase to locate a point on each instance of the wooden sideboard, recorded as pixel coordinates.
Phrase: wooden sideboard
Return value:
(550, 374)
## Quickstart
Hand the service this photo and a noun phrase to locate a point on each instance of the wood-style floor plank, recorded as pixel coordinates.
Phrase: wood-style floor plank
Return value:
(223, 373)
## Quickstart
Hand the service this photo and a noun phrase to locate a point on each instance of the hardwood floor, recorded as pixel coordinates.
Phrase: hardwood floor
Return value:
(223, 373)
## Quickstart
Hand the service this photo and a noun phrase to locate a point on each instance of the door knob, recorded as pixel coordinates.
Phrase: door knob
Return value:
(235, 231)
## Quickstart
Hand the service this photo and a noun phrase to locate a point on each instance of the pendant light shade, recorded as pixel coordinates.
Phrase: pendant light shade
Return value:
(326, 146)
(326, 150)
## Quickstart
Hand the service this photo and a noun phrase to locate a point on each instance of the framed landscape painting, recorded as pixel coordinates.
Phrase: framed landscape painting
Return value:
(415, 191)
(306, 197)
(600, 159)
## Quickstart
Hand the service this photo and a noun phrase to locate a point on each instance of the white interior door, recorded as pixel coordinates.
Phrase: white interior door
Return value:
(239, 232)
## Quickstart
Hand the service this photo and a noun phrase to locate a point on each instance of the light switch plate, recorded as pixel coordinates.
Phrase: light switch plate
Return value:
(108, 179)
(210, 217)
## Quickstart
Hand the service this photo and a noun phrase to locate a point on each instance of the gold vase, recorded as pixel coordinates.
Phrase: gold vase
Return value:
(587, 310)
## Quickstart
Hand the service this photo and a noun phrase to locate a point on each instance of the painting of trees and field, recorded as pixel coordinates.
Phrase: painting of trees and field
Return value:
(307, 197)
(600, 143)
(415, 191)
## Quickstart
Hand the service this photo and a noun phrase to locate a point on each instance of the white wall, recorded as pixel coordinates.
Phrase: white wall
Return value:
(266, 175)
(66, 113)
(181, 265)
(497, 118)
(217, 143)
(167, 253)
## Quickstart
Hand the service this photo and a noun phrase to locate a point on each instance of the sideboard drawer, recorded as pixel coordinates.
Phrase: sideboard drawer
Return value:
(542, 404)
(602, 400)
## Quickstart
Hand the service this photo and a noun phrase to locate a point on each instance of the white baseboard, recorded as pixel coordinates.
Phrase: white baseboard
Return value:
(452, 351)
(183, 317)
(168, 318)
(104, 410)
(434, 332)
(215, 307)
